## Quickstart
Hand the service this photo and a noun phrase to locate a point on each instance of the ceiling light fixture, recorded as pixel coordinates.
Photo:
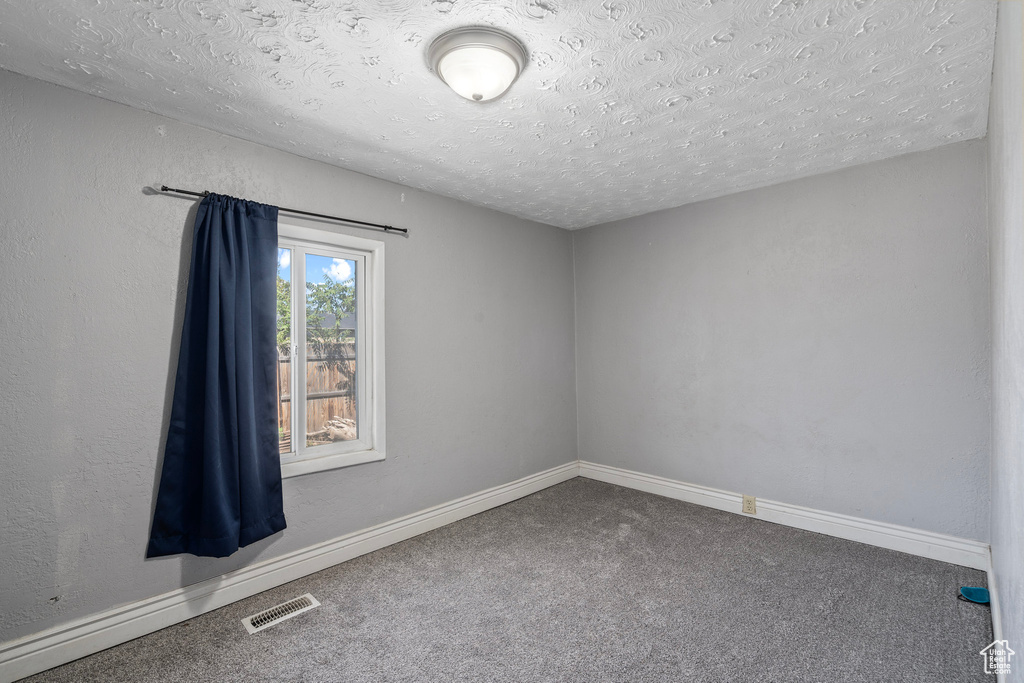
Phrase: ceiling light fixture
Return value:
(477, 62)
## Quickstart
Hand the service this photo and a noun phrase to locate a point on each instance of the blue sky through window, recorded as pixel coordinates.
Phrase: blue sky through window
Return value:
(317, 266)
(284, 264)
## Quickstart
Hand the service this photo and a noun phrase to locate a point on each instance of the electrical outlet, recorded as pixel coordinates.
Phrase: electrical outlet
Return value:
(749, 505)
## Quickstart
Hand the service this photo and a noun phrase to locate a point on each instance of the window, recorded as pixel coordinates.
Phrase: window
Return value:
(330, 341)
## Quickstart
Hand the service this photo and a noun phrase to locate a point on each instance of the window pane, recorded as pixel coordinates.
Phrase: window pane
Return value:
(330, 350)
(284, 345)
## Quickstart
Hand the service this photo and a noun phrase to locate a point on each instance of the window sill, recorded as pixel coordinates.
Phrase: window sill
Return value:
(329, 462)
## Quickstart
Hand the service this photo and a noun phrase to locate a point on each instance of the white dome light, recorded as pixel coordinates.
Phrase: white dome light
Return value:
(478, 63)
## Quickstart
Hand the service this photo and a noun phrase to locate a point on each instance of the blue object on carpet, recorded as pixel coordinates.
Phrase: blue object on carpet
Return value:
(975, 594)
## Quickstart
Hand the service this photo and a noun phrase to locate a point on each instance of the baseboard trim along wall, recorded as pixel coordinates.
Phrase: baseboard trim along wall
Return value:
(961, 551)
(65, 643)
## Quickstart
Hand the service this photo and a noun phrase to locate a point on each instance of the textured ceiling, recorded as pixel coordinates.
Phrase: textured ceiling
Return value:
(625, 107)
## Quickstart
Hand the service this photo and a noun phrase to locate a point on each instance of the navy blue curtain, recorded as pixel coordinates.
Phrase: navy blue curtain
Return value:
(220, 488)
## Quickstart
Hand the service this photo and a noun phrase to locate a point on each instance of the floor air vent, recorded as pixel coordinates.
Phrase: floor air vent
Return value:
(274, 615)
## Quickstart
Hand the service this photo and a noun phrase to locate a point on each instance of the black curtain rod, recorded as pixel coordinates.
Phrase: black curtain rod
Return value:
(364, 224)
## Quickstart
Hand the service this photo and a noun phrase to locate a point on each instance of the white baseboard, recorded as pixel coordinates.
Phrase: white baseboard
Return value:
(950, 549)
(62, 644)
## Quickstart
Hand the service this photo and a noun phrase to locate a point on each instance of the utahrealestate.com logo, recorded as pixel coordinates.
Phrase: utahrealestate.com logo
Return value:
(997, 657)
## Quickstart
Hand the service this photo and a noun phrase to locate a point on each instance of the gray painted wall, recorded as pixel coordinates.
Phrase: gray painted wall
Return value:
(479, 321)
(824, 342)
(1006, 190)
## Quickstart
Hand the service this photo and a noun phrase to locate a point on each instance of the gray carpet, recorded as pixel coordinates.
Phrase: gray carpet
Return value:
(590, 582)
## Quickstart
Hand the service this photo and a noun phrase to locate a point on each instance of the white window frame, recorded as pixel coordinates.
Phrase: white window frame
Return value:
(369, 255)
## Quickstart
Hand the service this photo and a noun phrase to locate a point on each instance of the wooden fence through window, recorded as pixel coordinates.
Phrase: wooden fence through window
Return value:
(328, 395)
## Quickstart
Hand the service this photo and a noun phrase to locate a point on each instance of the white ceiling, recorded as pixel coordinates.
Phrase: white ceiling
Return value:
(625, 107)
